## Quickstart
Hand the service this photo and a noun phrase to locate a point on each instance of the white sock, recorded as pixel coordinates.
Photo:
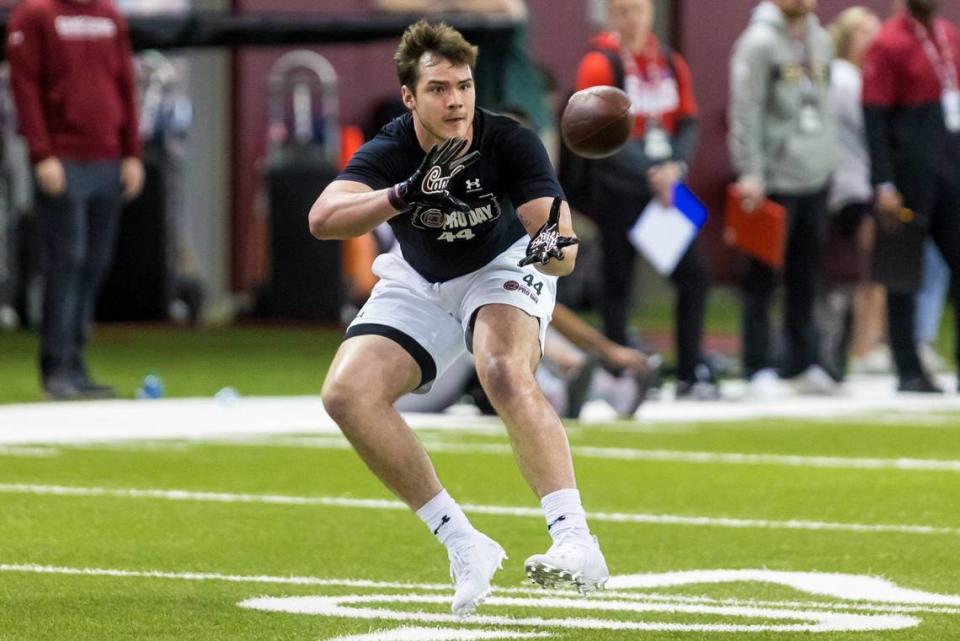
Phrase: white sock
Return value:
(564, 512)
(445, 519)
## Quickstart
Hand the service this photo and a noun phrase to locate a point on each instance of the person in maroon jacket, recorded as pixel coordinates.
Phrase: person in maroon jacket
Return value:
(911, 97)
(72, 79)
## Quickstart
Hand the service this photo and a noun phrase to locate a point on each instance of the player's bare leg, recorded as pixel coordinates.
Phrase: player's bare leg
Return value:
(368, 374)
(506, 347)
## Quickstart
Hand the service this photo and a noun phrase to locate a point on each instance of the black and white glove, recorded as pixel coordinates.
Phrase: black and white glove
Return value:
(548, 243)
(428, 186)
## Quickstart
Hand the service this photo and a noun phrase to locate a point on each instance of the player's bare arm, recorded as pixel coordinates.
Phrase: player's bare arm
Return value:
(347, 209)
(553, 243)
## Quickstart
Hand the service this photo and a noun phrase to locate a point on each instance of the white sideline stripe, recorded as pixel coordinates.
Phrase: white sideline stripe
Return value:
(334, 442)
(498, 510)
(203, 418)
(36, 568)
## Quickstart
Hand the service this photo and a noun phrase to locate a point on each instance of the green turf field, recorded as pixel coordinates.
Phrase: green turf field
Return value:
(257, 361)
(164, 540)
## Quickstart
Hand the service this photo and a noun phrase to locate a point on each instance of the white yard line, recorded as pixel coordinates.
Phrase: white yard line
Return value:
(336, 442)
(497, 510)
(28, 452)
(864, 605)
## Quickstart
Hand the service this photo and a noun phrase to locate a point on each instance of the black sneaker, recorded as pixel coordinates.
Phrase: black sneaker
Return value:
(60, 387)
(90, 389)
(86, 385)
(919, 384)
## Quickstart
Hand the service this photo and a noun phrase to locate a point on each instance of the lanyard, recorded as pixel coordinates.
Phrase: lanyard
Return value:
(941, 58)
(654, 74)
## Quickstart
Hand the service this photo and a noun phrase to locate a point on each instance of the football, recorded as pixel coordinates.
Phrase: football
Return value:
(596, 122)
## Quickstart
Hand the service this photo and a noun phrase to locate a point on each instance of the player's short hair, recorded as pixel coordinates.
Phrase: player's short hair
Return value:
(439, 39)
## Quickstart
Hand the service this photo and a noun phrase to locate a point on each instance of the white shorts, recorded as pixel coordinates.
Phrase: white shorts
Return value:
(433, 321)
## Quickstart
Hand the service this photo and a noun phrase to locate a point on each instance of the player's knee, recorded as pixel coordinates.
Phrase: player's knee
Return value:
(503, 376)
(340, 401)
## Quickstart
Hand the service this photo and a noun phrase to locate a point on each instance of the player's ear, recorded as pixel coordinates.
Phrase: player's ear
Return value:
(409, 100)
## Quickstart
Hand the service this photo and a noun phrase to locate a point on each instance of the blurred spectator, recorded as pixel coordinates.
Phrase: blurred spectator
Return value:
(911, 101)
(851, 194)
(660, 87)
(72, 79)
(783, 146)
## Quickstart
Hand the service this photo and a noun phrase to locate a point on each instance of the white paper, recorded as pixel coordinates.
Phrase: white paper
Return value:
(662, 235)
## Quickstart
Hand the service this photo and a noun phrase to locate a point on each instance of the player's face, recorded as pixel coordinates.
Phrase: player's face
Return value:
(632, 19)
(444, 100)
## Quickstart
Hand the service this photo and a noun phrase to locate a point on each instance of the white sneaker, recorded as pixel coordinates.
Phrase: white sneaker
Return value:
(573, 561)
(765, 385)
(876, 361)
(814, 381)
(472, 566)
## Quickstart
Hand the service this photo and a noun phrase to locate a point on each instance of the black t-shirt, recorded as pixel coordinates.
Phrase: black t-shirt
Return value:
(513, 169)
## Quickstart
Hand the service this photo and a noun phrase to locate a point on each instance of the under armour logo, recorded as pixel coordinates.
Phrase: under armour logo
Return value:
(473, 185)
(550, 527)
(443, 521)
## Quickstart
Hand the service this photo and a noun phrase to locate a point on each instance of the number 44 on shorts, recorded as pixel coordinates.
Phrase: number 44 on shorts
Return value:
(536, 286)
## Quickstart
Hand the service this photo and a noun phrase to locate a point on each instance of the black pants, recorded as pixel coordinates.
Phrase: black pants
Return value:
(690, 280)
(77, 230)
(806, 219)
(944, 228)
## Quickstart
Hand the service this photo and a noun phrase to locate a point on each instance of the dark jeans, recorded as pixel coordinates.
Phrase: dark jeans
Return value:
(806, 219)
(944, 228)
(690, 280)
(77, 231)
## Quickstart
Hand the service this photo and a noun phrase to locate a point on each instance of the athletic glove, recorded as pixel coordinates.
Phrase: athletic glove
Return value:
(548, 243)
(428, 186)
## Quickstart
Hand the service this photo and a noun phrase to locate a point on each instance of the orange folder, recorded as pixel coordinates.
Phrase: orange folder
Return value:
(761, 233)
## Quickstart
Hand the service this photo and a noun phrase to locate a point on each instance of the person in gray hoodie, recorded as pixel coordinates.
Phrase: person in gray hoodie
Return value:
(783, 146)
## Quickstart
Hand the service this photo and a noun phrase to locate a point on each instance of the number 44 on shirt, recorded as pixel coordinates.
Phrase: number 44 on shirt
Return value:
(463, 234)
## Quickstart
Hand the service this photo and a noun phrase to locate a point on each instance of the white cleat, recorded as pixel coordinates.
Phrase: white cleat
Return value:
(472, 566)
(574, 561)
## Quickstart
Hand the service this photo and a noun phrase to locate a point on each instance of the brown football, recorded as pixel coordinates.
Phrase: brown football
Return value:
(596, 122)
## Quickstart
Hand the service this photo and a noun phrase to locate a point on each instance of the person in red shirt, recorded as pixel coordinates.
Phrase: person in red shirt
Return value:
(911, 98)
(72, 81)
(660, 86)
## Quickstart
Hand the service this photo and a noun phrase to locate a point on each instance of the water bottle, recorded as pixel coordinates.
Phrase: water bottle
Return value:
(152, 387)
(227, 396)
